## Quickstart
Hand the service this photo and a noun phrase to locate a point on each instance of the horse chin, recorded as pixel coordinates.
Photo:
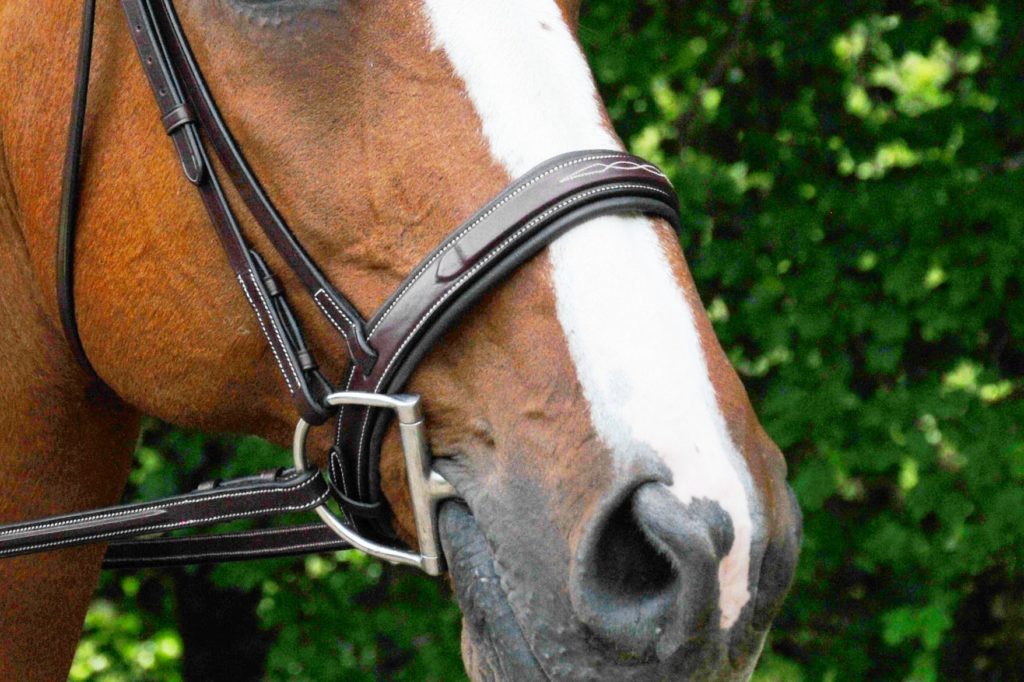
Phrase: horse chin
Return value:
(493, 645)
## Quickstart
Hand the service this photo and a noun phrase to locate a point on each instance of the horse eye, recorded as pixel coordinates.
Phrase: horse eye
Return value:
(281, 6)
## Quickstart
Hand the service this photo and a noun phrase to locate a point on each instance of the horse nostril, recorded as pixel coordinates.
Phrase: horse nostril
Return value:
(645, 577)
(627, 567)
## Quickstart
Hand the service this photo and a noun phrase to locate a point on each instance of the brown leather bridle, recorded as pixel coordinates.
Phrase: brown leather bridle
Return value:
(383, 351)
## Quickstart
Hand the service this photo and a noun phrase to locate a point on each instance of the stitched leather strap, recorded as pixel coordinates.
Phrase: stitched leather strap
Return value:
(342, 315)
(553, 197)
(222, 547)
(304, 382)
(269, 494)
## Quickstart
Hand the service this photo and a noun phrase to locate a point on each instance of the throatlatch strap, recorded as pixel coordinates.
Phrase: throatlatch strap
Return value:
(71, 186)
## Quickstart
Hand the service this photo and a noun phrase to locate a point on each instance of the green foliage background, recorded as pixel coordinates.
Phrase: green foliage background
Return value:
(851, 182)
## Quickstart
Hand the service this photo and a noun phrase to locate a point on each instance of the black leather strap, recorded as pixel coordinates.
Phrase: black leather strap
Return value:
(167, 90)
(257, 496)
(71, 190)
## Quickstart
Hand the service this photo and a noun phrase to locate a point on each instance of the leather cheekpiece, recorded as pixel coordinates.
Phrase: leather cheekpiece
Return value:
(556, 196)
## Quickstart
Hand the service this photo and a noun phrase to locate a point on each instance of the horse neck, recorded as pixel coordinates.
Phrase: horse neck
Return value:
(65, 442)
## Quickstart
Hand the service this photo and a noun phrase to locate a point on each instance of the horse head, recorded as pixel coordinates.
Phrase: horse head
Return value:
(623, 514)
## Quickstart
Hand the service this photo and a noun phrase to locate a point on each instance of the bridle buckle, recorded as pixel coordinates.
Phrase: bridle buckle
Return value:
(427, 488)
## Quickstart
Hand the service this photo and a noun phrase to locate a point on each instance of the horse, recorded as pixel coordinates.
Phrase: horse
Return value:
(623, 513)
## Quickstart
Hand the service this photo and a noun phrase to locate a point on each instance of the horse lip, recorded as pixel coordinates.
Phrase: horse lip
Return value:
(496, 644)
(492, 632)
(489, 626)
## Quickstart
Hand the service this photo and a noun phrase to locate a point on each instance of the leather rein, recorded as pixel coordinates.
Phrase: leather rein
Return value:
(383, 350)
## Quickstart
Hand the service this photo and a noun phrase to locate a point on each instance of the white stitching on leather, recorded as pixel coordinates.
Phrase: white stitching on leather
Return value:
(154, 505)
(277, 332)
(330, 318)
(341, 410)
(335, 464)
(600, 168)
(492, 209)
(469, 273)
(142, 530)
(335, 305)
(270, 341)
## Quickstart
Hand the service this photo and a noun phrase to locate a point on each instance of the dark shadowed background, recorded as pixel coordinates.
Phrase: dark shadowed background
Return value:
(853, 206)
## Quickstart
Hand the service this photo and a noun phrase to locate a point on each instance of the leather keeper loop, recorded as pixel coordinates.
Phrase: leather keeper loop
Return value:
(377, 511)
(270, 282)
(306, 360)
(177, 117)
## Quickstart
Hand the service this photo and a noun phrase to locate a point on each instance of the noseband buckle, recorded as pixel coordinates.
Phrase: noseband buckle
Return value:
(426, 487)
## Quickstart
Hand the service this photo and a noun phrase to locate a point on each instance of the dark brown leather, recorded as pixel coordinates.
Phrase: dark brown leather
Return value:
(223, 547)
(556, 196)
(166, 90)
(177, 117)
(257, 496)
(294, 360)
(342, 315)
(548, 194)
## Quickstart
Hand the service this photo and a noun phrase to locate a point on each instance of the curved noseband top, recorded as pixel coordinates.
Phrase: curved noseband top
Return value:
(383, 351)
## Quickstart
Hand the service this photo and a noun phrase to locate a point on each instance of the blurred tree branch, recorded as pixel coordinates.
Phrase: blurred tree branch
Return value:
(725, 60)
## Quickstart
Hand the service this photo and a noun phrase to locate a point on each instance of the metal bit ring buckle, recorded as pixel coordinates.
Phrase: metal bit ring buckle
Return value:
(426, 487)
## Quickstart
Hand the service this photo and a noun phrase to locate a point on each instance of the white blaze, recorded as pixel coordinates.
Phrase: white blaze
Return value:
(630, 331)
